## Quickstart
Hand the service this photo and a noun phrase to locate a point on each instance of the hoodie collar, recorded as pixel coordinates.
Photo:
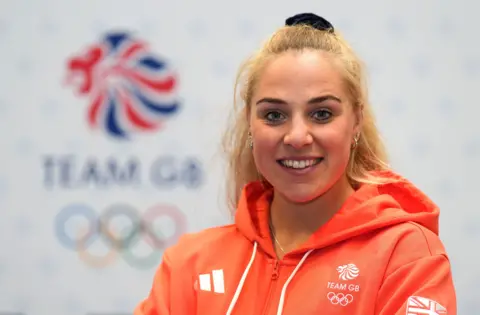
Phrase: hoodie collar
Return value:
(370, 208)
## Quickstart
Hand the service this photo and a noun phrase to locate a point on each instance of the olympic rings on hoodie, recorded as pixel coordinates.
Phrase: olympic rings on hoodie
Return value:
(119, 239)
(340, 298)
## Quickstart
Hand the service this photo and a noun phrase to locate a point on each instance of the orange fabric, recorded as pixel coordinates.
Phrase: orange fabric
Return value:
(380, 254)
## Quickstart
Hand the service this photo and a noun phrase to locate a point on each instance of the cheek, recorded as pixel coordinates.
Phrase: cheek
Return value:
(265, 147)
(264, 144)
(336, 143)
(264, 140)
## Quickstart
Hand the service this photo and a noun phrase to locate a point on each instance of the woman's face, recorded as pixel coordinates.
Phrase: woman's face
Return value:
(302, 125)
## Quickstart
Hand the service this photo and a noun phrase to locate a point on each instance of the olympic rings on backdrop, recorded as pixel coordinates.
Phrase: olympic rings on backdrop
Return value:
(102, 227)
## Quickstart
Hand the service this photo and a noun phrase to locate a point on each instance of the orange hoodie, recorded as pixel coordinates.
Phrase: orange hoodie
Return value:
(380, 254)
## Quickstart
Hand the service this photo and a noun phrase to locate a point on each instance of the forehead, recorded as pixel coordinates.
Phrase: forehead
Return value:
(299, 75)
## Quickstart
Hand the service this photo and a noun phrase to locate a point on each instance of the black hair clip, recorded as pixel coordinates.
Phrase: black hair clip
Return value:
(310, 19)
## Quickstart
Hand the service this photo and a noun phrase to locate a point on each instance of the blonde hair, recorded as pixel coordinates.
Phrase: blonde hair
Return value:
(369, 154)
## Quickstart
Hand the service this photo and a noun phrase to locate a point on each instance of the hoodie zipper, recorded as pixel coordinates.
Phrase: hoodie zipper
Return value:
(271, 288)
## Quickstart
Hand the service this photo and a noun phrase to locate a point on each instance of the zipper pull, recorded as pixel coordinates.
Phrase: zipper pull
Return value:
(275, 270)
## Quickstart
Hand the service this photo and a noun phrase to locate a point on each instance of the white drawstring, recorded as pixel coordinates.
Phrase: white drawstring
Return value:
(242, 280)
(284, 289)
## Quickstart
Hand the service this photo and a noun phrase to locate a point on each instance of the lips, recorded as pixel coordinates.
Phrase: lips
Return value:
(299, 164)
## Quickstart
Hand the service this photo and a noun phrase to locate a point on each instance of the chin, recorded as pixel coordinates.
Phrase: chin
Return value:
(298, 193)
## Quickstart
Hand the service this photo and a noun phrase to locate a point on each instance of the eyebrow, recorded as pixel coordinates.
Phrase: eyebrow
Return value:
(315, 100)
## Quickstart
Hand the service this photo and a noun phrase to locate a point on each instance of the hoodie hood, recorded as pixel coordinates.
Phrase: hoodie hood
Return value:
(369, 208)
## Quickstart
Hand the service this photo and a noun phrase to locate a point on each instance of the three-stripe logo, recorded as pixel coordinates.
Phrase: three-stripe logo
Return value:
(215, 278)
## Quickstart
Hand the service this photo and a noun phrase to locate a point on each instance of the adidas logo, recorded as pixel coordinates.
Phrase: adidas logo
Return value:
(215, 279)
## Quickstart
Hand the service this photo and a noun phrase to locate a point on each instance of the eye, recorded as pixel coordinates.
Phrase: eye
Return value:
(274, 117)
(322, 115)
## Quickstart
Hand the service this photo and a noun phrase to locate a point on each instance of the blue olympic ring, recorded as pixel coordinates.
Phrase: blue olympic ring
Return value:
(100, 227)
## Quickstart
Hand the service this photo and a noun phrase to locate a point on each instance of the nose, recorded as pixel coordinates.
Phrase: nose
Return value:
(298, 135)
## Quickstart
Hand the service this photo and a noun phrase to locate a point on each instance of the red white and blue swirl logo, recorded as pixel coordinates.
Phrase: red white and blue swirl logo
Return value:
(130, 89)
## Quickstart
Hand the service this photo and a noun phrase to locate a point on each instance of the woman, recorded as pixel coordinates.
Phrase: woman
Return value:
(322, 225)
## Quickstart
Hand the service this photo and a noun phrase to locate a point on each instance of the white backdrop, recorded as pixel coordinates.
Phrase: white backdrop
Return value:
(424, 72)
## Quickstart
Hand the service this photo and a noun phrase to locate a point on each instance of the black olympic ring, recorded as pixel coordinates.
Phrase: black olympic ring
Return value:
(340, 298)
(101, 227)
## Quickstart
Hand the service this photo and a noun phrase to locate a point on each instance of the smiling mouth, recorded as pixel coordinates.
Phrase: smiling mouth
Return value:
(299, 164)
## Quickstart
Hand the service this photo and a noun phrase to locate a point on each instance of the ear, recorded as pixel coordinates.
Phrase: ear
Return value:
(358, 119)
(248, 115)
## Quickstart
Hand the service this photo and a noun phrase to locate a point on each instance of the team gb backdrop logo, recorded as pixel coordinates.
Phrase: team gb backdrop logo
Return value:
(129, 89)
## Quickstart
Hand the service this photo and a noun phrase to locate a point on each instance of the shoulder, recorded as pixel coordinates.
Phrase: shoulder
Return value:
(413, 242)
(203, 239)
(191, 246)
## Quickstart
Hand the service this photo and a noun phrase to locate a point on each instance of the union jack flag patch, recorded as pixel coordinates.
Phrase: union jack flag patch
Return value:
(417, 305)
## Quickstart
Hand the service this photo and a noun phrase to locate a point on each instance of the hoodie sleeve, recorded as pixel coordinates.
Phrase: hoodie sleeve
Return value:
(419, 287)
(172, 291)
(158, 301)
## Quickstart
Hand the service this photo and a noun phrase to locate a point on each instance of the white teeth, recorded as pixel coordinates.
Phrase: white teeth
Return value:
(299, 164)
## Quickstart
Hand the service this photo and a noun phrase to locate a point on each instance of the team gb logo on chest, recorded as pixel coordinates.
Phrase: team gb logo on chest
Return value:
(342, 292)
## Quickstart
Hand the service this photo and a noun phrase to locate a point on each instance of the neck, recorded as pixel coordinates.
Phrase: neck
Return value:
(293, 223)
